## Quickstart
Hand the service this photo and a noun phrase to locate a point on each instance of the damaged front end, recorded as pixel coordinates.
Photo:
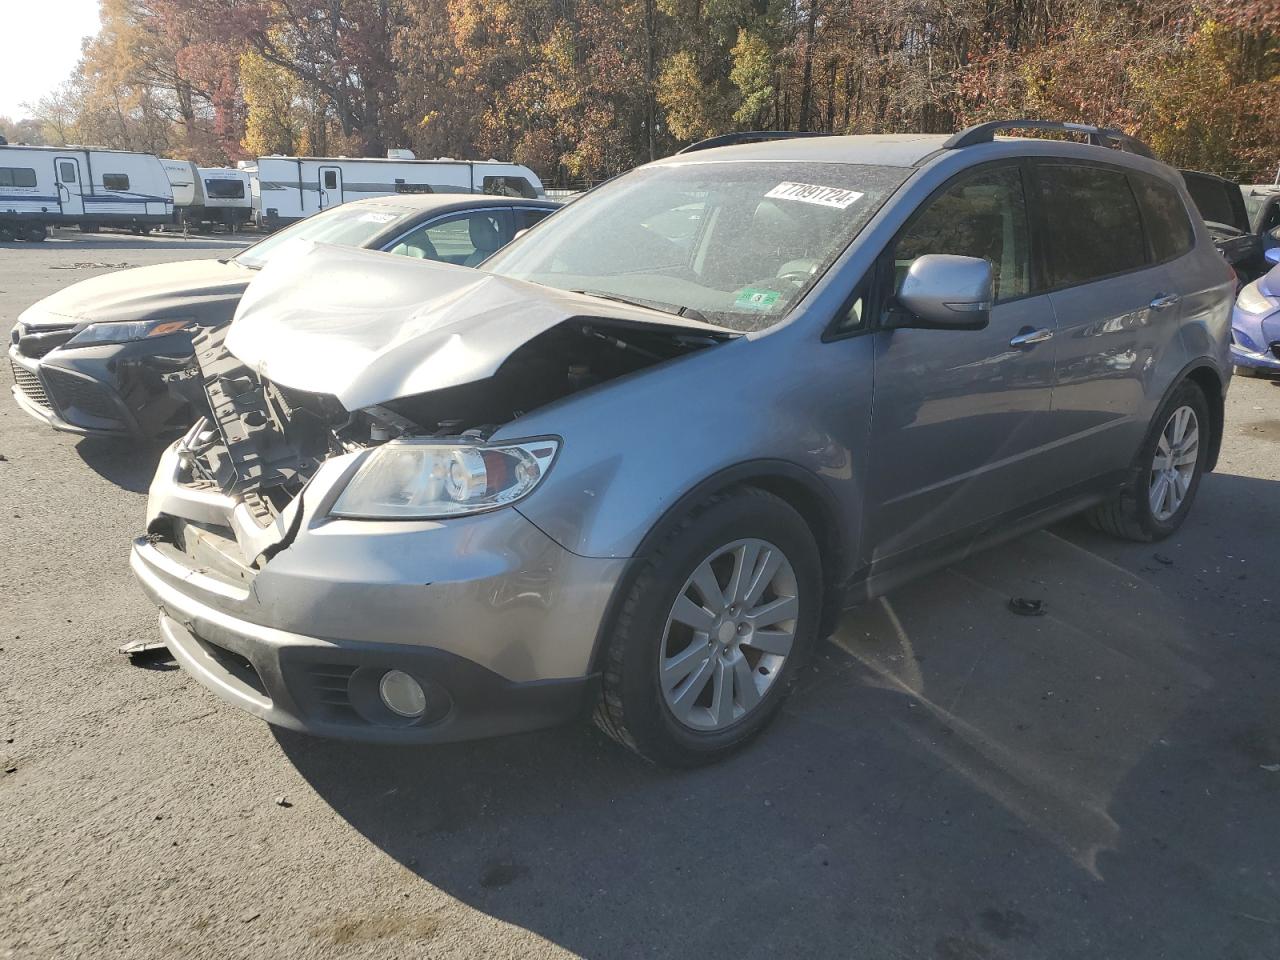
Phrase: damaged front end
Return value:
(265, 440)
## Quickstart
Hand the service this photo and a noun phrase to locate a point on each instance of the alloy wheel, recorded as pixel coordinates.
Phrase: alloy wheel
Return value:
(1174, 465)
(728, 634)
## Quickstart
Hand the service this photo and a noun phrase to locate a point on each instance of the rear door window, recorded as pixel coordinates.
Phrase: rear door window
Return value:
(1091, 223)
(526, 217)
(1168, 225)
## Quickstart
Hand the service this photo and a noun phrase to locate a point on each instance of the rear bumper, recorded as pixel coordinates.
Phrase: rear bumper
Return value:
(329, 687)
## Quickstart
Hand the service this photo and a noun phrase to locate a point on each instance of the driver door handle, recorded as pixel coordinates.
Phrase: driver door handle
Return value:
(1029, 337)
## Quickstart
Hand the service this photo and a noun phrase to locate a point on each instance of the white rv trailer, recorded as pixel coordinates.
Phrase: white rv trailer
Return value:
(228, 196)
(188, 191)
(94, 187)
(290, 188)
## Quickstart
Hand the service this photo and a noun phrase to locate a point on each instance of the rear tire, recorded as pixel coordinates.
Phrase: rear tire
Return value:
(1161, 488)
(8, 232)
(690, 674)
(34, 233)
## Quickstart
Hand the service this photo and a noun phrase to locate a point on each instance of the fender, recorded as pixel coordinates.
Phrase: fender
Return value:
(781, 477)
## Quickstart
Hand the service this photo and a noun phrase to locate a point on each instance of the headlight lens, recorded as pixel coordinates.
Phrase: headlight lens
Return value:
(424, 480)
(1253, 300)
(124, 331)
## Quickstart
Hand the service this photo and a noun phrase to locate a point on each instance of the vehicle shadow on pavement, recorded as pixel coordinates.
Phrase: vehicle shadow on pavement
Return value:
(951, 780)
(129, 464)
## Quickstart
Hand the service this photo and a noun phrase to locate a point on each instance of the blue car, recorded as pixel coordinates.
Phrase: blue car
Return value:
(1255, 325)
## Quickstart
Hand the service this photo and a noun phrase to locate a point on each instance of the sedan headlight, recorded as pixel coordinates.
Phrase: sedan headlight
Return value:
(424, 480)
(1253, 300)
(125, 330)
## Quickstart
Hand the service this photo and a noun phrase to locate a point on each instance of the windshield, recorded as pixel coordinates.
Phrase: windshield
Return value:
(224, 189)
(736, 243)
(350, 226)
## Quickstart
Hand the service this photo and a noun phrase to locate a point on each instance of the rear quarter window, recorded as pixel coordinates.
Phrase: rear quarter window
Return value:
(1091, 223)
(1168, 224)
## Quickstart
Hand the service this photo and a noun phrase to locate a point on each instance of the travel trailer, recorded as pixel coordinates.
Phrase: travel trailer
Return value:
(188, 191)
(290, 188)
(228, 197)
(42, 187)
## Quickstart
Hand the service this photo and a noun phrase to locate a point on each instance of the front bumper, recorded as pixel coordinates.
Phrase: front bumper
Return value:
(1254, 359)
(495, 620)
(113, 390)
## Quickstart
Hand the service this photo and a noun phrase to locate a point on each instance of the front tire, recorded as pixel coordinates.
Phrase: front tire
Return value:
(1166, 473)
(712, 631)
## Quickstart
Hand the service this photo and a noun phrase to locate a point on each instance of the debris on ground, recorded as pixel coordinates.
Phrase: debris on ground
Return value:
(1161, 558)
(250, 917)
(142, 651)
(283, 801)
(1026, 608)
(1271, 767)
(10, 769)
(3, 458)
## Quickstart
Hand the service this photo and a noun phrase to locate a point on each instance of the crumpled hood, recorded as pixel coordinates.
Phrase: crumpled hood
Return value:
(369, 327)
(190, 288)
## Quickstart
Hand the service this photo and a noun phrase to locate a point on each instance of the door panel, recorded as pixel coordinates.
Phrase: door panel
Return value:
(70, 196)
(1116, 313)
(330, 187)
(959, 415)
(958, 424)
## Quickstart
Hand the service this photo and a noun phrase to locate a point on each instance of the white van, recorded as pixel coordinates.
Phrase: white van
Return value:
(228, 197)
(41, 187)
(290, 188)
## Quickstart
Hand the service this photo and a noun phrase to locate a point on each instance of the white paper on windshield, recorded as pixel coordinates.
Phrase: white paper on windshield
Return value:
(837, 197)
(378, 217)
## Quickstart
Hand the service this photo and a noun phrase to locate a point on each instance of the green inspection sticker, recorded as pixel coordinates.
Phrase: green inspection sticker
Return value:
(753, 298)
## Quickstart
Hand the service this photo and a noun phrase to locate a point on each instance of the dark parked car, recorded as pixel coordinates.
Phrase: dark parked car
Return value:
(107, 356)
(1222, 206)
(644, 455)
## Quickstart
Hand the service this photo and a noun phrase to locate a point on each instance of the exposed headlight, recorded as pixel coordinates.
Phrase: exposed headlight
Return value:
(1253, 300)
(427, 479)
(124, 331)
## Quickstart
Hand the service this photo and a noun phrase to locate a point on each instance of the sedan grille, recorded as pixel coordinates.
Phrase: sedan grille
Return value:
(30, 385)
(83, 395)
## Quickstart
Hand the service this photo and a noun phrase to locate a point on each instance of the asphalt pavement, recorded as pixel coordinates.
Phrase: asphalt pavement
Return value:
(951, 782)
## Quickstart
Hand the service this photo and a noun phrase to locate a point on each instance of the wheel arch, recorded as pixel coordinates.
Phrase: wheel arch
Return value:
(801, 489)
(1212, 384)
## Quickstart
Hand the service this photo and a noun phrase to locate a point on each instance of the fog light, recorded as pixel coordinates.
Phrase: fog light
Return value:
(402, 694)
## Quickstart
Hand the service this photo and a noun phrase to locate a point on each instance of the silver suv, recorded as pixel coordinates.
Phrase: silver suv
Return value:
(642, 458)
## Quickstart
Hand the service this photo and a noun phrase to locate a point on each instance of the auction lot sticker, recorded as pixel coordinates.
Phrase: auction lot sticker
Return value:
(837, 197)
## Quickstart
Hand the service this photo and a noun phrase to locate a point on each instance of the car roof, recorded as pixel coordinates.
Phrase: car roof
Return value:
(449, 202)
(879, 149)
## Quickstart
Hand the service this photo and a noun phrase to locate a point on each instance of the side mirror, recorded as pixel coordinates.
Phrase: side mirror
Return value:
(946, 292)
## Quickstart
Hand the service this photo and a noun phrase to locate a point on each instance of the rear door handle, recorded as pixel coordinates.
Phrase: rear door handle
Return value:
(1029, 337)
(1165, 301)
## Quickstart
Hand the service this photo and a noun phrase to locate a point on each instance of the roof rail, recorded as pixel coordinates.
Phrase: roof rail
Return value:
(1098, 136)
(749, 136)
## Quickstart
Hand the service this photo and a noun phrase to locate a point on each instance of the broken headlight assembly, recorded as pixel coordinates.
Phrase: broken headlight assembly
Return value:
(124, 331)
(431, 480)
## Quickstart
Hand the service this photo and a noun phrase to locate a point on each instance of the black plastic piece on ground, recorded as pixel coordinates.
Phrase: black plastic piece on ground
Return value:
(1027, 608)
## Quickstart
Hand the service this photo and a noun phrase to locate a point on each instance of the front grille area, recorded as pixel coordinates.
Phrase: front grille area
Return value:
(237, 665)
(330, 685)
(30, 385)
(72, 392)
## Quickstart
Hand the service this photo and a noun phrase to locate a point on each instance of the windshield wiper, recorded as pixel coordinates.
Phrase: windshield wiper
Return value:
(688, 313)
